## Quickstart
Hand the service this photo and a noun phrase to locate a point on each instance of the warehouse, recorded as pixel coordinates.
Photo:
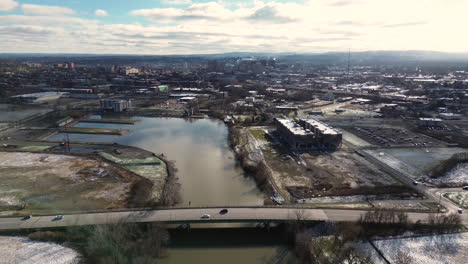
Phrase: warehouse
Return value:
(308, 133)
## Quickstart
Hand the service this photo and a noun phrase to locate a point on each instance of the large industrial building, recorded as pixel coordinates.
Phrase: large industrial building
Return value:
(115, 105)
(308, 133)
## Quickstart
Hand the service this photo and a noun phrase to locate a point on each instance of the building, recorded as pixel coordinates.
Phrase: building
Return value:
(188, 99)
(450, 116)
(430, 122)
(130, 71)
(308, 133)
(115, 105)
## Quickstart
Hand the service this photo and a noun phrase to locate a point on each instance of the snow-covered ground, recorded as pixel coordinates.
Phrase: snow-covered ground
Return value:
(20, 250)
(460, 198)
(436, 249)
(24, 159)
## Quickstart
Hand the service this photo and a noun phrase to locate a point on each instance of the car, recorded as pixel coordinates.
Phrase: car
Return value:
(58, 218)
(415, 182)
(205, 216)
(223, 211)
(26, 217)
(465, 188)
(460, 211)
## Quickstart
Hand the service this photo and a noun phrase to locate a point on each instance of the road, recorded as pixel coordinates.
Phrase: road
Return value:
(193, 215)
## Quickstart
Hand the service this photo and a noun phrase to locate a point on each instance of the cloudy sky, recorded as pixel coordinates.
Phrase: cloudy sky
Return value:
(210, 26)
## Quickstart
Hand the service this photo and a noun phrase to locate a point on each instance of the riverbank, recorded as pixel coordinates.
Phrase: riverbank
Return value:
(250, 161)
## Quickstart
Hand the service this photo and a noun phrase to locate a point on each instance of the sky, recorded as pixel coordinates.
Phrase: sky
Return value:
(210, 26)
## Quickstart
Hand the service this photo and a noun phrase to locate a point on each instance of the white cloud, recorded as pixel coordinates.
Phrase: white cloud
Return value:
(212, 27)
(176, 2)
(100, 12)
(8, 5)
(46, 10)
(43, 20)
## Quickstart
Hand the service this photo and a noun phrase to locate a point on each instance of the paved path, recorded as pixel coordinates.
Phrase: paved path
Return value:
(192, 215)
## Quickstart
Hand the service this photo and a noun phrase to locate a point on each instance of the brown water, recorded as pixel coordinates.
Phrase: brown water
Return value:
(209, 176)
(206, 166)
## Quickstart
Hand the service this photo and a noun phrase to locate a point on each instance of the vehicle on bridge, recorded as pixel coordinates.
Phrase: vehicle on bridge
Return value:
(223, 211)
(26, 217)
(57, 218)
(206, 216)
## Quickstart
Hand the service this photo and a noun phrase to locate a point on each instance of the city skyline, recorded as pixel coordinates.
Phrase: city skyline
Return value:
(206, 27)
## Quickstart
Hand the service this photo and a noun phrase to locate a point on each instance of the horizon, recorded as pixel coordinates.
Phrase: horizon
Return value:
(280, 53)
(189, 27)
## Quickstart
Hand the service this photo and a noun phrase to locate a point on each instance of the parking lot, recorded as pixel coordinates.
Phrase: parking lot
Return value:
(392, 137)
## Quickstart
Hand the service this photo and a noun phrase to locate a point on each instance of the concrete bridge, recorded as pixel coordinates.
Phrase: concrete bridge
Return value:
(194, 215)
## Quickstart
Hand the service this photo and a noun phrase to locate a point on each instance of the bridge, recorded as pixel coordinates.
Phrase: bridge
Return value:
(194, 215)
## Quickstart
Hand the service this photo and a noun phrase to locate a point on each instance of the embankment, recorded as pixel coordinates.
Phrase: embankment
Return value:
(257, 168)
(445, 166)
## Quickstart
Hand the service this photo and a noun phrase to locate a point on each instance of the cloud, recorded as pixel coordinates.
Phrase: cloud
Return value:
(176, 2)
(24, 30)
(100, 12)
(253, 25)
(8, 5)
(269, 14)
(343, 2)
(408, 24)
(46, 10)
(211, 11)
(43, 20)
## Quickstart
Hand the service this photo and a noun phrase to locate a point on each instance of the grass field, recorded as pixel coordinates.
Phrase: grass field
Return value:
(259, 134)
(460, 198)
(86, 130)
(35, 148)
(111, 121)
(151, 168)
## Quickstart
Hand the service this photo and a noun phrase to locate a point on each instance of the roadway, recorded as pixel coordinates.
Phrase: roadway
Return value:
(193, 215)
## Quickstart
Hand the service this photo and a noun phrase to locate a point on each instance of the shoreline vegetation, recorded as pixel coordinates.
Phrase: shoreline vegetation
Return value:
(238, 141)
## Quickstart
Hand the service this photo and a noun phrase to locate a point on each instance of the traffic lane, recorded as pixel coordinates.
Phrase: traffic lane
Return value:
(195, 214)
(177, 215)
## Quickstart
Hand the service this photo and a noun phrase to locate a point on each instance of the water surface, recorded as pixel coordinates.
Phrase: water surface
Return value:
(206, 166)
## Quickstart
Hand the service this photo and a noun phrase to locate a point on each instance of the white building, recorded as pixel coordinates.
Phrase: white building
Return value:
(115, 105)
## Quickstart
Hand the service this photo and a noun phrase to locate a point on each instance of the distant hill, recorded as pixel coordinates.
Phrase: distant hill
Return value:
(357, 58)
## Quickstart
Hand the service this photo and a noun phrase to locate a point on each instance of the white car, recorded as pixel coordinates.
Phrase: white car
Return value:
(57, 218)
(206, 216)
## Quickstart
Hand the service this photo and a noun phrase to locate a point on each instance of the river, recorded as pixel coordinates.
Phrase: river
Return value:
(206, 166)
(208, 174)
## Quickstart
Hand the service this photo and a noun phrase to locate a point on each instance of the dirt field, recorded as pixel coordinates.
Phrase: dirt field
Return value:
(47, 182)
(20, 250)
(343, 173)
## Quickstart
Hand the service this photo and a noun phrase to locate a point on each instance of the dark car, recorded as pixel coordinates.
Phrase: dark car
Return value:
(26, 217)
(465, 188)
(223, 211)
